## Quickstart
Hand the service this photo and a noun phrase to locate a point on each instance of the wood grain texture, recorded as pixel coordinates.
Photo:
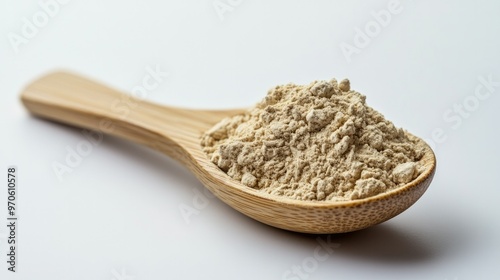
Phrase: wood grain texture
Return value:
(74, 100)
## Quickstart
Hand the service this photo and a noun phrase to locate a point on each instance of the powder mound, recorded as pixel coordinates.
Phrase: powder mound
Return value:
(314, 142)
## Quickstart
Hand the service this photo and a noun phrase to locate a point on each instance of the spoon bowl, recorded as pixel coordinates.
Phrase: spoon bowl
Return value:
(77, 101)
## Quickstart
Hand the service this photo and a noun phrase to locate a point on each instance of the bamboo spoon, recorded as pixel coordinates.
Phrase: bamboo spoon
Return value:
(74, 100)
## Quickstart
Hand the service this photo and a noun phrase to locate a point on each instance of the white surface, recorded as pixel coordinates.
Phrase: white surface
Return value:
(117, 214)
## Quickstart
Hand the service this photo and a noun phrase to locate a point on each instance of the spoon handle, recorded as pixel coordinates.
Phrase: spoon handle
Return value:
(77, 101)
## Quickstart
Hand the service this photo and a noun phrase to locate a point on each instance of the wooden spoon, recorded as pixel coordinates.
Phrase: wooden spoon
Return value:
(77, 101)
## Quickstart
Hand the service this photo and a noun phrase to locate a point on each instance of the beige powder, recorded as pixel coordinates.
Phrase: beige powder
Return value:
(314, 142)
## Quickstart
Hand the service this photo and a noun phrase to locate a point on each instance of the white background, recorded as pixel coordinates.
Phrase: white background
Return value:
(116, 215)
